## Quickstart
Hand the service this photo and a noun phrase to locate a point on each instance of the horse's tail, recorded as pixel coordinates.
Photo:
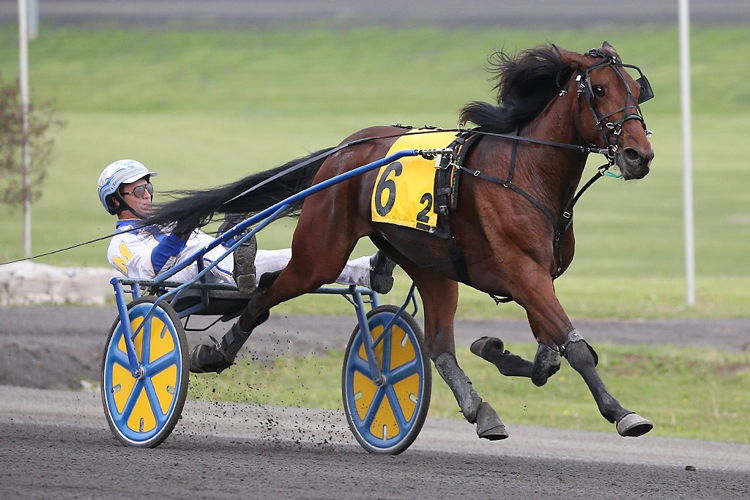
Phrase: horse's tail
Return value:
(250, 195)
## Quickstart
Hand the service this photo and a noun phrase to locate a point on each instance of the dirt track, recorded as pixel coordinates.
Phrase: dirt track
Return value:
(55, 444)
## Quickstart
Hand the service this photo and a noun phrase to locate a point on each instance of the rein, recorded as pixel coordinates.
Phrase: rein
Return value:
(71, 247)
(328, 153)
(561, 225)
(543, 142)
(575, 147)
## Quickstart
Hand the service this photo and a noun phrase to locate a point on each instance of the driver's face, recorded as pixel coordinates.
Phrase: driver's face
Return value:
(141, 204)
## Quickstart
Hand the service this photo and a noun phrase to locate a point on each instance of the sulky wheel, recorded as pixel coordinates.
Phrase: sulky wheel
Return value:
(386, 415)
(143, 411)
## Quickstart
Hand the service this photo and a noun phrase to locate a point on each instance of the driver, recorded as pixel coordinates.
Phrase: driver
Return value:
(125, 190)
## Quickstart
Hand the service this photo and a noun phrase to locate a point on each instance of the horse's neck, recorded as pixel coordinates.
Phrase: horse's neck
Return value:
(558, 169)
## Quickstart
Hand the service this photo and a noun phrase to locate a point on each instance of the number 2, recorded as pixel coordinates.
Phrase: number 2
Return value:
(422, 215)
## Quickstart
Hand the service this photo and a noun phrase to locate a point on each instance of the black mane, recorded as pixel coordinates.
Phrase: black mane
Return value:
(524, 83)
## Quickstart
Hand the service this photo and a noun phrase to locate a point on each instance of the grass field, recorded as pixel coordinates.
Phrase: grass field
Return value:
(687, 393)
(204, 108)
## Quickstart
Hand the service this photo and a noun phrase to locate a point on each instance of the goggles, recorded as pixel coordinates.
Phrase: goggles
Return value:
(140, 191)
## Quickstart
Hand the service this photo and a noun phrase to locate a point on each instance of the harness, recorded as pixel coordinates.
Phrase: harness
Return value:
(447, 181)
(610, 133)
(559, 224)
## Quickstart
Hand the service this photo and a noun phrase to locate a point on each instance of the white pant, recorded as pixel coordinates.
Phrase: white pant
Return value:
(356, 272)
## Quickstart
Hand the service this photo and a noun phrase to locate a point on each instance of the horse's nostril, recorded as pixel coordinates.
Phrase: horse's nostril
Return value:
(631, 155)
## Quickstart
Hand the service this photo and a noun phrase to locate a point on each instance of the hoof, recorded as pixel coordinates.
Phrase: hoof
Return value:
(489, 425)
(482, 345)
(546, 364)
(208, 359)
(633, 425)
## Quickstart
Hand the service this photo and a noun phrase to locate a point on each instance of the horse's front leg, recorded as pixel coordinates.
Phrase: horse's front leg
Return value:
(554, 331)
(583, 359)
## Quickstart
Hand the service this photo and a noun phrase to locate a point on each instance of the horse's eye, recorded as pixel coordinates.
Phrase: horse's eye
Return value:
(598, 90)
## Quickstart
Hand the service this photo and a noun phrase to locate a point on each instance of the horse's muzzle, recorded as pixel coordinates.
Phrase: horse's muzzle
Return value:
(635, 163)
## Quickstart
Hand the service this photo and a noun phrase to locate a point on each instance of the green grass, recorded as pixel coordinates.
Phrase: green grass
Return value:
(686, 392)
(204, 108)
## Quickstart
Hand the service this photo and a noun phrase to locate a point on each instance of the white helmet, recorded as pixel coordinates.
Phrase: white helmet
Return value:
(117, 173)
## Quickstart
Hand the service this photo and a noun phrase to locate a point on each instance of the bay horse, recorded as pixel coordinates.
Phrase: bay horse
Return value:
(511, 230)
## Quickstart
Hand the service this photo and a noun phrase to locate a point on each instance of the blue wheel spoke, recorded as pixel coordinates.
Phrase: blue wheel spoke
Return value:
(153, 400)
(146, 344)
(162, 363)
(396, 407)
(120, 358)
(403, 371)
(360, 365)
(130, 403)
(373, 409)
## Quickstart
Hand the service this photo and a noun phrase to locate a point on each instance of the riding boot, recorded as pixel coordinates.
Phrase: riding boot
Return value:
(244, 255)
(381, 273)
(244, 265)
(219, 356)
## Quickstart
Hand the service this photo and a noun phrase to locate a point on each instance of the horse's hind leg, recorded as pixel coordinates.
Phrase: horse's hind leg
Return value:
(440, 297)
(319, 251)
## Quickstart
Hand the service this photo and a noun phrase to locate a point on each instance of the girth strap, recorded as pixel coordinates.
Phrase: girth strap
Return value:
(446, 196)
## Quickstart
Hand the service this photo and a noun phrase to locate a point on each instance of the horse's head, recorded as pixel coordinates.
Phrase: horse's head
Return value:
(609, 114)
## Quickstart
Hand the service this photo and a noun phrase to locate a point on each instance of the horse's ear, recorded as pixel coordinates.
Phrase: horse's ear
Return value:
(572, 58)
(609, 49)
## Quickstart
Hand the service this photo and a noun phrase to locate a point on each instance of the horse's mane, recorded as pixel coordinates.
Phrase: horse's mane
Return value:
(524, 83)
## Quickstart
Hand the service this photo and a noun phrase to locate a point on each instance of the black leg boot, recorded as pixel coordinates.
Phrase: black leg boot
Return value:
(381, 273)
(219, 356)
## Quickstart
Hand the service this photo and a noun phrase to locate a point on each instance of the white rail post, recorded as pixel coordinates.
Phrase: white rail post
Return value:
(23, 80)
(687, 171)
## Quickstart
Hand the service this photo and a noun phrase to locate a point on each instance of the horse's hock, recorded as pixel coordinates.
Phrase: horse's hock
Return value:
(27, 283)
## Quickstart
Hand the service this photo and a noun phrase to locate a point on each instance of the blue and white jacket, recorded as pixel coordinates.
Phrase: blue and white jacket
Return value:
(146, 252)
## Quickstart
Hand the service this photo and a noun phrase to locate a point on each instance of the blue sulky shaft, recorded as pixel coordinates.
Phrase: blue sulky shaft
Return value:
(264, 218)
(277, 209)
(282, 205)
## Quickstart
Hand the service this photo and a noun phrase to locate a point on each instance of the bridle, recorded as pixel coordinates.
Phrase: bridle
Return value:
(631, 110)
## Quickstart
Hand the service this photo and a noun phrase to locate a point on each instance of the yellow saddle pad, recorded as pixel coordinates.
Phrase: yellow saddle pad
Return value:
(403, 192)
